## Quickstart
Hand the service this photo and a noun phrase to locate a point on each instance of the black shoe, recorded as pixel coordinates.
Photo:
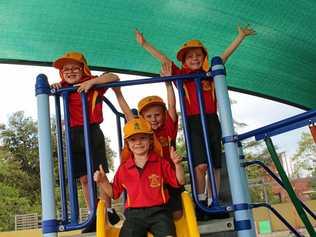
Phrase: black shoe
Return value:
(113, 217)
(90, 228)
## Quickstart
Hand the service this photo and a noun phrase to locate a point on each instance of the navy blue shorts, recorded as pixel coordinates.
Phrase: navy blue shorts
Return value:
(98, 153)
(140, 221)
(197, 142)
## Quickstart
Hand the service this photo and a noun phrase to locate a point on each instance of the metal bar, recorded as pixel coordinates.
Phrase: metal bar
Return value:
(139, 82)
(207, 147)
(187, 140)
(60, 157)
(276, 128)
(88, 155)
(244, 177)
(111, 106)
(279, 181)
(233, 166)
(278, 215)
(45, 158)
(119, 133)
(72, 186)
(288, 187)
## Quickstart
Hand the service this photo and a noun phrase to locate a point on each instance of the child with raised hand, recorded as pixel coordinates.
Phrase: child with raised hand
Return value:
(163, 120)
(74, 70)
(194, 58)
(142, 176)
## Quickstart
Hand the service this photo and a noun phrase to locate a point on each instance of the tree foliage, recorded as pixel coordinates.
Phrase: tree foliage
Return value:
(19, 168)
(305, 156)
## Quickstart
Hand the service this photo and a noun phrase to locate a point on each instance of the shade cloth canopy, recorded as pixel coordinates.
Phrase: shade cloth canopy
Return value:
(278, 63)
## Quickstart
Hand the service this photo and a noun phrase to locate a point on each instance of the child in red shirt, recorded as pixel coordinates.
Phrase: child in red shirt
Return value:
(142, 176)
(163, 120)
(74, 70)
(193, 56)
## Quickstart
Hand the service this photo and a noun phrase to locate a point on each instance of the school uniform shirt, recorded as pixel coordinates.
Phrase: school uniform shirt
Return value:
(144, 187)
(94, 101)
(167, 135)
(191, 99)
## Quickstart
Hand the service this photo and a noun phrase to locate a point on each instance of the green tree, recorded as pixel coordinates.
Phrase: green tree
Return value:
(305, 156)
(19, 139)
(13, 192)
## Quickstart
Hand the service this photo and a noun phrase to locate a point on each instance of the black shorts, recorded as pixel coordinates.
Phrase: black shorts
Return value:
(140, 221)
(98, 153)
(175, 200)
(197, 142)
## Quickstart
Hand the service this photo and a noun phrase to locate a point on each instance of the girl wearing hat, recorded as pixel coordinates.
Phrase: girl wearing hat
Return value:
(194, 58)
(142, 176)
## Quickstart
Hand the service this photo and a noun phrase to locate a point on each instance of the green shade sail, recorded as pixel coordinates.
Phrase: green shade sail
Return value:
(279, 62)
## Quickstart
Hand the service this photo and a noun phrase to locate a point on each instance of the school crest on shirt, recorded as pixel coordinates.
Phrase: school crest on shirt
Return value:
(206, 86)
(154, 181)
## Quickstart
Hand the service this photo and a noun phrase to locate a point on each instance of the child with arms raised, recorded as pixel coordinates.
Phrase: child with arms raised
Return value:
(193, 57)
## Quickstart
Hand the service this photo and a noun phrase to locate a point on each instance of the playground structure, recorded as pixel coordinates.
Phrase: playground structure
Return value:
(241, 206)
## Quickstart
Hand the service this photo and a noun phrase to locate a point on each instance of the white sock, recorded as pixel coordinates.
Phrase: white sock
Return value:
(201, 196)
(109, 209)
(209, 201)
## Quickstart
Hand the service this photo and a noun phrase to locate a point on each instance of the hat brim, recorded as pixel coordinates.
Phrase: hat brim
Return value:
(182, 52)
(151, 104)
(59, 63)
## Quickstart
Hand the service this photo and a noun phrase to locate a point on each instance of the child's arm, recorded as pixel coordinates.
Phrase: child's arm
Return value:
(101, 179)
(243, 32)
(176, 158)
(104, 78)
(149, 48)
(166, 71)
(123, 104)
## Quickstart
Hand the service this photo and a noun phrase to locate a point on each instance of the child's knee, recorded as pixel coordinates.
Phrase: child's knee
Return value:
(201, 169)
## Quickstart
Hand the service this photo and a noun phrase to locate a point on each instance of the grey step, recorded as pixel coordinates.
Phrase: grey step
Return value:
(215, 226)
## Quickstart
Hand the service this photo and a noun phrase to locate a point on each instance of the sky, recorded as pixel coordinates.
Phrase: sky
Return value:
(18, 83)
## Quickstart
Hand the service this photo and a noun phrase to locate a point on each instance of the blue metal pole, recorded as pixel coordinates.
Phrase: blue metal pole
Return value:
(89, 160)
(210, 170)
(243, 216)
(72, 186)
(49, 222)
(60, 155)
(187, 140)
(244, 178)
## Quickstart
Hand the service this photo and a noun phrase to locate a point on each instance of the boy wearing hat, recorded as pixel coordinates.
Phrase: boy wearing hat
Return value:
(163, 120)
(74, 71)
(194, 58)
(142, 176)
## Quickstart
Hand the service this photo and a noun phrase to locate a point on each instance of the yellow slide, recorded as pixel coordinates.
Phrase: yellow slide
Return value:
(186, 226)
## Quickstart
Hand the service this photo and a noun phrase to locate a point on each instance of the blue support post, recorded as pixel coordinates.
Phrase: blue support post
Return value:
(244, 177)
(49, 222)
(243, 216)
(61, 168)
(210, 170)
(72, 185)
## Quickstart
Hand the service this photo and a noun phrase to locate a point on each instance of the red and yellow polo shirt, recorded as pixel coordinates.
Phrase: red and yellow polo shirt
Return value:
(167, 135)
(191, 99)
(94, 100)
(145, 188)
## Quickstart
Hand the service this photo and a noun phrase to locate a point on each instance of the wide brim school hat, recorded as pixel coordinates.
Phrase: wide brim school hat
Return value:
(150, 100)
(72, 57)
(189, 45)
(138, 126)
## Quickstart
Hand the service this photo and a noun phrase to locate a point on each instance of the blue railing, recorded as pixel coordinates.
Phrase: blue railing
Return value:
(243, 218)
